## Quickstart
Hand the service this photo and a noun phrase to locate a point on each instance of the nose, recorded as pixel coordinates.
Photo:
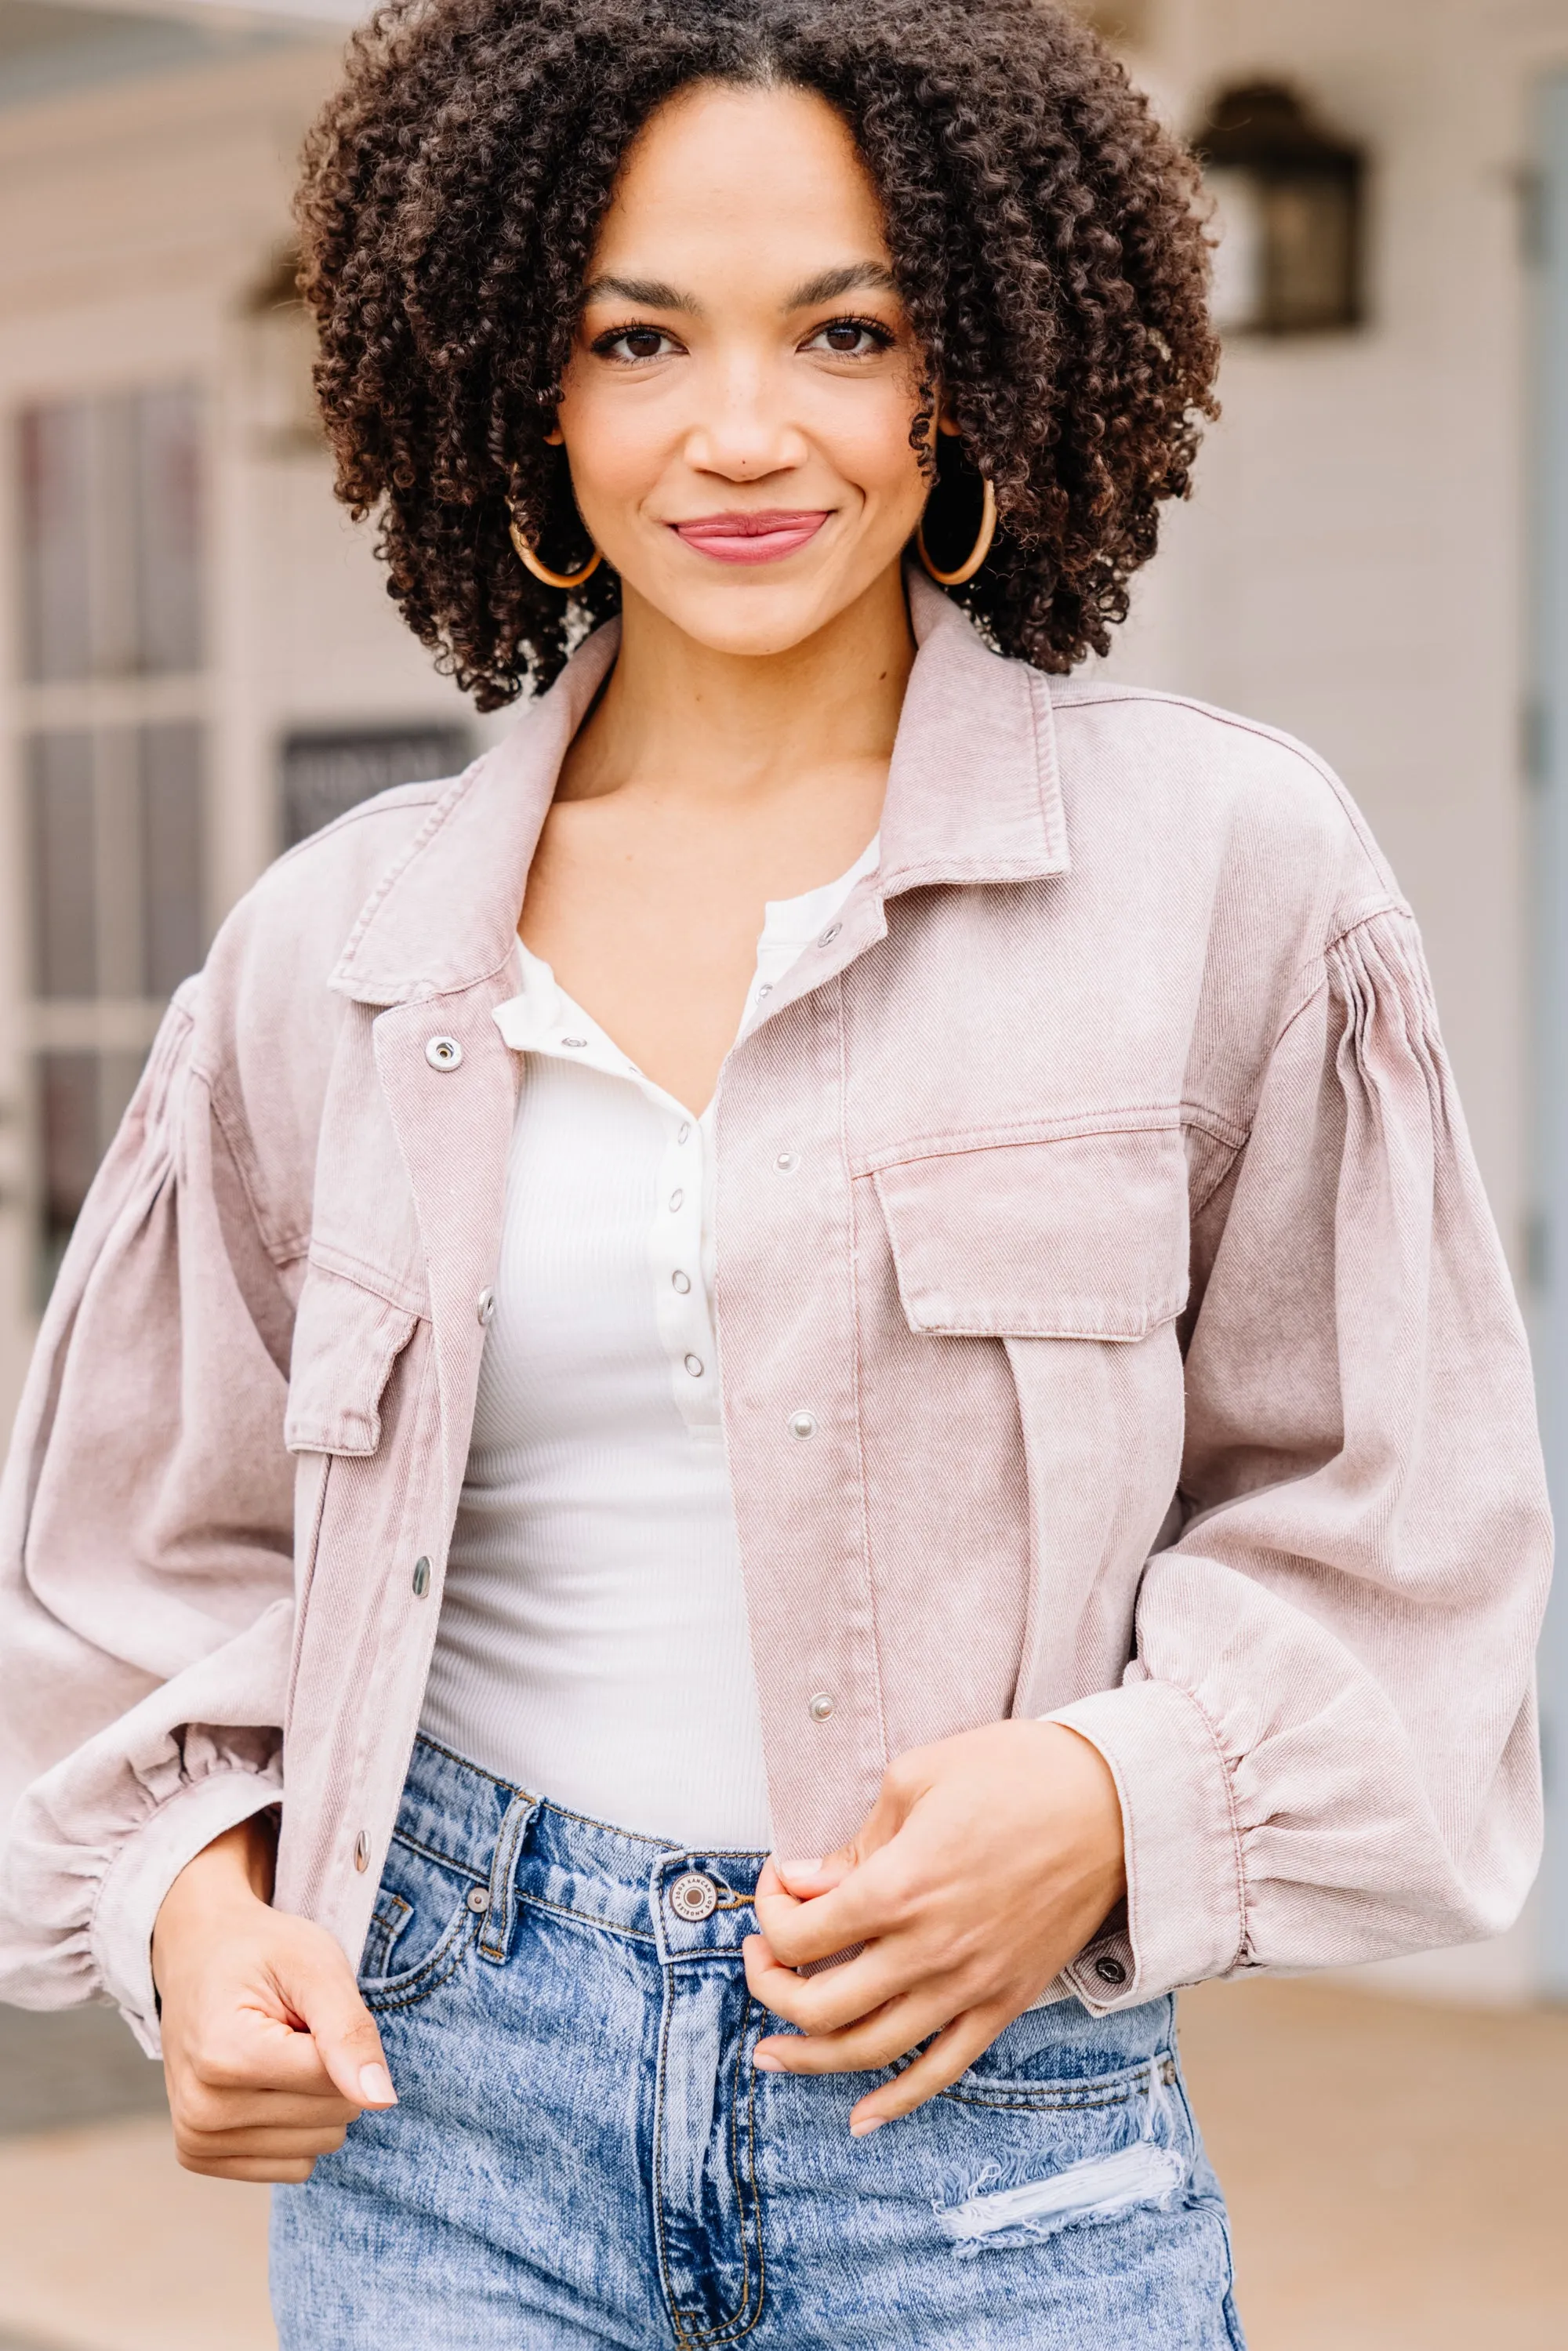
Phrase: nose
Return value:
(743, 432)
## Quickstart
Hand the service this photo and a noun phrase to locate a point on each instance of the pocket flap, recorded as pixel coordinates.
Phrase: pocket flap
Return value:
(345, 1340)
(1083, 1237)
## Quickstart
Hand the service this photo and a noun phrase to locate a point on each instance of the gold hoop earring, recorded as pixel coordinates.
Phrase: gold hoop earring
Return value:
(542, 571)
(977, 553)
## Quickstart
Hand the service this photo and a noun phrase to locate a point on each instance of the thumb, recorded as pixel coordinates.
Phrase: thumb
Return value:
(806, 1879)
(323, 1994)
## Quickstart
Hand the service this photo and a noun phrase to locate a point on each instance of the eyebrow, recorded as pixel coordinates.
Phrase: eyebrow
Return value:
(652, 294)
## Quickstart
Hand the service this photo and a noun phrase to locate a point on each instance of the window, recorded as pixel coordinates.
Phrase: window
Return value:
(112, 708)
(323, 775)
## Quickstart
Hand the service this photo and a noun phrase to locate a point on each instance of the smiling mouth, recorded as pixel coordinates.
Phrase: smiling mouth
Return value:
(766, 537)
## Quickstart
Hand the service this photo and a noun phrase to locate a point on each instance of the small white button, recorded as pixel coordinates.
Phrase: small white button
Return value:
(766, 989)
(575, 1043)
(802, 1423)
(820, 1706)
(787, 1162)
(443, 1053)
(681, 1282)
(361, 1851)
(486, 1306)
(686, 1132)
(478, 1900)
(830, 934)
(676, 1199)
(694, 1365)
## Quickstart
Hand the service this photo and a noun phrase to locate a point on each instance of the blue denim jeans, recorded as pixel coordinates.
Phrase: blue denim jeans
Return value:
(584, 2154)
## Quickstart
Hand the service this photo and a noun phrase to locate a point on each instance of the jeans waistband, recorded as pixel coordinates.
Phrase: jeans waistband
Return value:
(686, 1899)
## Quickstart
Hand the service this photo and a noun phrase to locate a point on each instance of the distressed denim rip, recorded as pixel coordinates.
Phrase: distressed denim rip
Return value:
(585, 2155)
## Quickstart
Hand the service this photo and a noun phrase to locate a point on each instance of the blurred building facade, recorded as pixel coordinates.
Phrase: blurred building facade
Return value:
(198, 662)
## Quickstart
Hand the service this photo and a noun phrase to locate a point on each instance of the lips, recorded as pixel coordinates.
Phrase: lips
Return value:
(763, 536)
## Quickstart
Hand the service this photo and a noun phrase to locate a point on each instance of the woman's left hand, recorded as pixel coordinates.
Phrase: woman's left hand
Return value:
(984, 1865)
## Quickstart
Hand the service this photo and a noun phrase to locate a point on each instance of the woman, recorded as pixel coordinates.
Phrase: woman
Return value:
(1112, 1554)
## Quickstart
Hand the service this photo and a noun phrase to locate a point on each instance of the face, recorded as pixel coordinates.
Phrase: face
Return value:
(738, 407)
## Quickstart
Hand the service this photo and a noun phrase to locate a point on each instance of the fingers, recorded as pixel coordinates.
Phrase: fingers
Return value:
(806, 1879)
(872, 2042)
(262, 2144)
(319, 1987)
(823, 2003)
(870, 1900)
(285, 2171)
(202, 2109)
(936, 2068)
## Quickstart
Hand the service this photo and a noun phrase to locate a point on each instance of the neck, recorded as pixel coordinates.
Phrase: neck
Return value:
(719, 726)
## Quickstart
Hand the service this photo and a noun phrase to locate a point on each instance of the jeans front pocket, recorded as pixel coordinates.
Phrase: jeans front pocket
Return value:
(424, 1924)
(1068, 2136)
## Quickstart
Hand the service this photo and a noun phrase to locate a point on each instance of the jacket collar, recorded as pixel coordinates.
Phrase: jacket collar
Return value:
(973, 795)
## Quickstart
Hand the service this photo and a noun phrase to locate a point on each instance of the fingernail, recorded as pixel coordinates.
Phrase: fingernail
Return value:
(865, 2127)
(800, 1868)
(375, 2086)
(765, 2065)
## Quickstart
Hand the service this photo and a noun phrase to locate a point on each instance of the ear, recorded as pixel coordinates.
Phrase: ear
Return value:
(947, 422)
(554, 437)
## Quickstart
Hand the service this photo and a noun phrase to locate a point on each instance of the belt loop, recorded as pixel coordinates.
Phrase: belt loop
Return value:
(495, 1934)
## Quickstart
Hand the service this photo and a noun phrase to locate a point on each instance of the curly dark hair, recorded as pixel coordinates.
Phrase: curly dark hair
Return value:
(1047, 237)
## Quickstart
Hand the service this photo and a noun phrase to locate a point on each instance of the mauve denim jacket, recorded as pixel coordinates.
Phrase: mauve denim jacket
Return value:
(1094, 1190)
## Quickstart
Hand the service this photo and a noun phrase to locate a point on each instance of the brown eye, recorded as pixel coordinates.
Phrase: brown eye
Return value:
(642, 343)
(851, 339)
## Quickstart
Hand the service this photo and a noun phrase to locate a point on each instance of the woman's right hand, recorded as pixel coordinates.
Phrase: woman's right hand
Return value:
(268, 2051)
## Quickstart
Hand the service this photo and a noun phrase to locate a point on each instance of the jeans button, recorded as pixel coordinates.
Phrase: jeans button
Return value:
(693, 1896)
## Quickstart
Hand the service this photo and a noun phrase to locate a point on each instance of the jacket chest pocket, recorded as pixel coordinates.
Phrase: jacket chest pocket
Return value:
(1083, 1236)
(346, 1341)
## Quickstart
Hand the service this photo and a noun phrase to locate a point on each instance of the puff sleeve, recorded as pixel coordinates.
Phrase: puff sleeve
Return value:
(146, 1544)
(1326, 1743)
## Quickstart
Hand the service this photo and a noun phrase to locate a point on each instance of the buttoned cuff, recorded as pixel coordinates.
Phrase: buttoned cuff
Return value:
(141, 1874)
(1186, 1914)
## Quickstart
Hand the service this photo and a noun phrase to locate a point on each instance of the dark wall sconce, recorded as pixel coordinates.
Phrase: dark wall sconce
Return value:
(1290, 203)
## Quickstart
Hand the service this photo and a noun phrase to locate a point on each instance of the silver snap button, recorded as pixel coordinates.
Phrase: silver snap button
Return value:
(820, 1706)
(361, 1851)
(787, 1162)
(693, 1896)
(694, 1365)
(478, 1900)
(487, 1307)
(1110, 1971)
(681, 1282)
(575, 1043)
(830, 934)
(766, 989)
(421, 1578)
(443, 1053)
(802, 1423)
(676, 1200)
